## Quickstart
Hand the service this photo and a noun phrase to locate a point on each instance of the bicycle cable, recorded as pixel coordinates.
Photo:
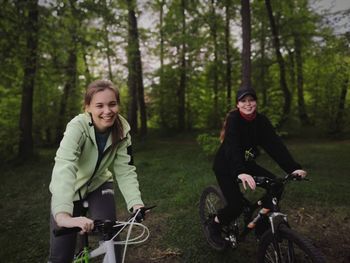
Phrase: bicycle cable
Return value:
(135, 240)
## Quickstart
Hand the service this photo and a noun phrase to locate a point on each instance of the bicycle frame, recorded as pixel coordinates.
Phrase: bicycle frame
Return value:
(109, 231)
(107, 247)
(274, 217)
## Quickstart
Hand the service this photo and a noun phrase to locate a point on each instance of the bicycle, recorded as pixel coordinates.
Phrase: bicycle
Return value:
(110, 232)
(277, 241)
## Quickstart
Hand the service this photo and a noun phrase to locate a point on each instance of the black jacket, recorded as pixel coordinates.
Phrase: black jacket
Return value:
(241, 136)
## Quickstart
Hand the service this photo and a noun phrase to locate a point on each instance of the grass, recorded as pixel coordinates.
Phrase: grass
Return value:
(172, 173)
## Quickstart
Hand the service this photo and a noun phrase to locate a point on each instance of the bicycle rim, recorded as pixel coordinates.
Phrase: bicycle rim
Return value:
(210, 202)
(288, 247)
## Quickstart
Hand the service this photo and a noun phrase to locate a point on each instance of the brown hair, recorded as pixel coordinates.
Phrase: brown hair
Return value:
(224, 126)
(101, 85)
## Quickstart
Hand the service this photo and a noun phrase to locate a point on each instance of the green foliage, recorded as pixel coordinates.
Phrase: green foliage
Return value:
(209, 143)
(97, 30)
(9, 121)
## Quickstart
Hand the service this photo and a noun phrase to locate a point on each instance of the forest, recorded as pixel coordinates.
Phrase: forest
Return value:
(177, 63)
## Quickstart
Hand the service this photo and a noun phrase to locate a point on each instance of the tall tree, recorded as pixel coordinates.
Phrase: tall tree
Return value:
(344, 83)
(181, 92)
(281, 63)
(161, 4)
(303, 116)
(246, 47)
(213, 24)
(228, 54)
(30, 68)
(299, 17)
(70, 85)
(135, 78)
(262, 61)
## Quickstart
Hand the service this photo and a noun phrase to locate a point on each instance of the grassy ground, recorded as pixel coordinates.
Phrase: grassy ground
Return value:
(172, 173)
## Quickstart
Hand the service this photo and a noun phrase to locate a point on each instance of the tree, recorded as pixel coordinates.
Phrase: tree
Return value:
(246, 48)
(70, 84)
(135, 78)
(299, 19)
(281, 63)
(30, 68)
(181, 91)
(228, 54)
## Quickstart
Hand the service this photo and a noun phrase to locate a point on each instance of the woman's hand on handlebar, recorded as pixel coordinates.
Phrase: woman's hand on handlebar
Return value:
(300, 173)
(140, 212)
(66, 220)
(246, 178)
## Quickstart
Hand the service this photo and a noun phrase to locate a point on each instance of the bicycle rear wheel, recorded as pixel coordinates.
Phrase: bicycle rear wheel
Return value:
(210, 202)
(290, 247)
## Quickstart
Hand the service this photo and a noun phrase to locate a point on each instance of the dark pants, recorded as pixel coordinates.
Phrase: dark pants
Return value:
(233, 195)
(101, 206)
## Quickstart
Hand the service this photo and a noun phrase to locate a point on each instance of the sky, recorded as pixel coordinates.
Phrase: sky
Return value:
(336, 5)
(341, 25)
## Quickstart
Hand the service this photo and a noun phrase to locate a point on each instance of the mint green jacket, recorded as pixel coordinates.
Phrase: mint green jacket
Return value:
(76, 160)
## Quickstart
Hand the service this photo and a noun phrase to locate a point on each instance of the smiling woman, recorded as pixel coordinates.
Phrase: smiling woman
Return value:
(244, 130)
(103, 108)
(96, 148)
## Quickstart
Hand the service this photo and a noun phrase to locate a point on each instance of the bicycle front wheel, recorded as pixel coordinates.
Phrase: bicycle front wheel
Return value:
(289, 247)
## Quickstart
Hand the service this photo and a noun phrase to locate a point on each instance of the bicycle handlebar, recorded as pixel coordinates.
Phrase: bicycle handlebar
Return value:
(263, 180)
(102, 225)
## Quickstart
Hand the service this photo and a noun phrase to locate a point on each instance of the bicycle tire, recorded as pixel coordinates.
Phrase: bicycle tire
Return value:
(211, 201)
(293, 247)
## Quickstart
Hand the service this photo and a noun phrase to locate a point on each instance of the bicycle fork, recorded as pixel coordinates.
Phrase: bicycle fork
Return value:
(275, 220)
(107, 248)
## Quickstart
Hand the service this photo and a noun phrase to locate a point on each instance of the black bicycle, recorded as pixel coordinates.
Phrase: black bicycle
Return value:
(277, 241)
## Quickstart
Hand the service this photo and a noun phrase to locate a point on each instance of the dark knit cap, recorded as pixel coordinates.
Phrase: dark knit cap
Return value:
(245, 91)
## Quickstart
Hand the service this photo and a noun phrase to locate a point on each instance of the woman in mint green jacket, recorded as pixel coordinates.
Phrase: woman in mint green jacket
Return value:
(95, 148)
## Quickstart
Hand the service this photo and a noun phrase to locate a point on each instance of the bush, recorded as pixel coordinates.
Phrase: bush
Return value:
(209, 143)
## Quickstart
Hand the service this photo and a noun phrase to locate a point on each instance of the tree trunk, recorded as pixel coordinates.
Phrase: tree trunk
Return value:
(304, 118)
(132, 75)
(246, 51)
(262, 81)
(87, 71)
(68, 91)
(280, 60)
(339, 119)
(182, 85)
(135, 56)
(71, 73)
(213, 29)
(228, 55)
(26, 114)
(161, 58)
(108, 52)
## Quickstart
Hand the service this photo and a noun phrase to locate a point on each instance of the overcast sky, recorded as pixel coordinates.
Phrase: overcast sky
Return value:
(337, 5)
(342, 24)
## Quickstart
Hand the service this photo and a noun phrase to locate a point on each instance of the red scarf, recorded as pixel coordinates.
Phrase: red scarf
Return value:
(249, 117)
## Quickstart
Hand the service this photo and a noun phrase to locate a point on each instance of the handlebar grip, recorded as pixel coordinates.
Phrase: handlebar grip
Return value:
(65, 231)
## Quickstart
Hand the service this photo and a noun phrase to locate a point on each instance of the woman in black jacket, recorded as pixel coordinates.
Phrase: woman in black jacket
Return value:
(244, 130)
